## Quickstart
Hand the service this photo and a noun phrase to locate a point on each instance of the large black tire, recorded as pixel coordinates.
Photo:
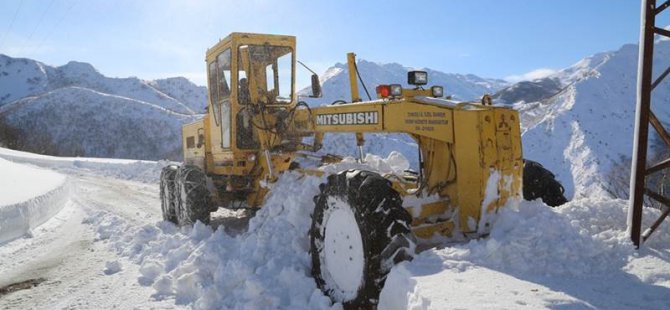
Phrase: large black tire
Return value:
(168, 195)
(539, 182)
(376, 218)
(193, 197)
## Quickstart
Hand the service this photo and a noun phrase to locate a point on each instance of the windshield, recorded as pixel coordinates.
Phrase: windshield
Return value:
(268, 70)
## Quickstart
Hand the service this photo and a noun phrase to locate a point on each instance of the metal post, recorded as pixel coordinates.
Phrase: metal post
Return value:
(643, 117)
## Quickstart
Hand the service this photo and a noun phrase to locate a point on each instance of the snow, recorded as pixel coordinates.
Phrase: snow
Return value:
(28, 197)
(74, 271)
(491, 194)
(335, 82)
(265, 267)
(112, 267)
(136, 170)
(20, 183)
(22, 77)
(577, 255)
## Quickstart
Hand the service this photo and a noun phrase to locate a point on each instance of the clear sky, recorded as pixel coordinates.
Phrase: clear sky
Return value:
(156, 39)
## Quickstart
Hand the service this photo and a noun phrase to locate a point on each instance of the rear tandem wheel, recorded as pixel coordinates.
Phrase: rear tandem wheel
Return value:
(185, 198)
(193, 198)
(167, 193)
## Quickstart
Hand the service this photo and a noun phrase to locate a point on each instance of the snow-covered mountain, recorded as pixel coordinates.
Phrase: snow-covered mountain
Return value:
(73, 110)
(335, 81)
(583, 130)
(529, 91)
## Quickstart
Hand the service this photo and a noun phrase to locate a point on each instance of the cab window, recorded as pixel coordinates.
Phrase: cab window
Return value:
(223, 73)
(214, 93)
(219, 93)
(266, 74)
(283, 83)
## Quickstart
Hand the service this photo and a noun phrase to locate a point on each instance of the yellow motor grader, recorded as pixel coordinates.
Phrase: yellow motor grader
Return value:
(470, 162)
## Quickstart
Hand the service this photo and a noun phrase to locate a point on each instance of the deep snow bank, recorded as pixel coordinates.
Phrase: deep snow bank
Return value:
(266, 267)
(583, 243)
(28, 197)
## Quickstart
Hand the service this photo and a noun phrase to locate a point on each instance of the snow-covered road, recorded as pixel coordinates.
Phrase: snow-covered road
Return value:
(65, 257)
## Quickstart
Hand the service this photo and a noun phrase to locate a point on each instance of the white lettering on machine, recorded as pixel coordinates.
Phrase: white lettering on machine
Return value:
(351, 118)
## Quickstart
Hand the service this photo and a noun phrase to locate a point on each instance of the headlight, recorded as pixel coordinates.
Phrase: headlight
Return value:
(417, 77)
(396, 90)
(251, 157)
(438, 91)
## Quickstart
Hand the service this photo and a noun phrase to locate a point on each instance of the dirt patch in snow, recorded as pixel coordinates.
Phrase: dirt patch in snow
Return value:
(23, 285)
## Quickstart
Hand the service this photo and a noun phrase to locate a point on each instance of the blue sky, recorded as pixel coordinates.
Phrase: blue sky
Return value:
(154, 39)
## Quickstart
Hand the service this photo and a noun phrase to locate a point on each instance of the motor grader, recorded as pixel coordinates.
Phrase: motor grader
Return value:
(470, 162)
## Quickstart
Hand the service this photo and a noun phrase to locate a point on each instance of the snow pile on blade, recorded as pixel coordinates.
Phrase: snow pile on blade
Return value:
(266, 267)
(28, 197)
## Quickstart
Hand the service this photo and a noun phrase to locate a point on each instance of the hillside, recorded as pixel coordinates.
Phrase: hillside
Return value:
(584, 132)
(73, 110)
(335, 81)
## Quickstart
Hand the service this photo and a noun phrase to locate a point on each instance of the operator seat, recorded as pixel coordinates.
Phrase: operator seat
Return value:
(246, 136)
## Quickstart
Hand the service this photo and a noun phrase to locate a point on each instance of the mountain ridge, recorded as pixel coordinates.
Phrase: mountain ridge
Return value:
(74, 110)
(584, 132)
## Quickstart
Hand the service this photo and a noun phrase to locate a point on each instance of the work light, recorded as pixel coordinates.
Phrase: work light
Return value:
(437, 91)
(396, 90)
(417, 78)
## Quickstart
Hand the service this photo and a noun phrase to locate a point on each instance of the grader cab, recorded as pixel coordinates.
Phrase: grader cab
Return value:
(470, 166)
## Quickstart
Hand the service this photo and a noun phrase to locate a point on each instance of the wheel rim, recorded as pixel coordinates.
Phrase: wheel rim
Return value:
(344, 257)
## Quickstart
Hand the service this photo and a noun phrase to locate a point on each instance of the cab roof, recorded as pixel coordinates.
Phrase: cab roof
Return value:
(251, 38)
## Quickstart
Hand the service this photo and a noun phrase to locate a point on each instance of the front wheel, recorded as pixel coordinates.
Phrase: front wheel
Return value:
(359, 231)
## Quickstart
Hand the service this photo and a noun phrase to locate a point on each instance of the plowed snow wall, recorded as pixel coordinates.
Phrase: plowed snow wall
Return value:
(18, 219)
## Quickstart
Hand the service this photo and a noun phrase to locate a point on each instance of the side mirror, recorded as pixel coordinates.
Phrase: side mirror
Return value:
(316, 87)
